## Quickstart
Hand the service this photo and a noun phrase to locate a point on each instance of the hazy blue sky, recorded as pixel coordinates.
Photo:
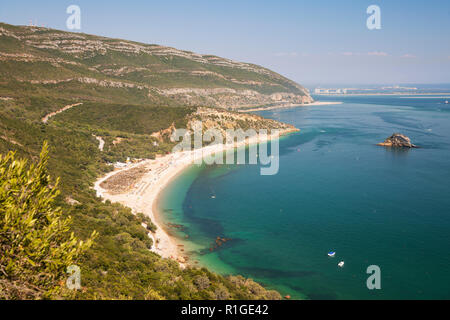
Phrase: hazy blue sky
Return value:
(312, 42)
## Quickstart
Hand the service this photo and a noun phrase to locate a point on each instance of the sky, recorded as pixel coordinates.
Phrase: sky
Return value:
(314, 42)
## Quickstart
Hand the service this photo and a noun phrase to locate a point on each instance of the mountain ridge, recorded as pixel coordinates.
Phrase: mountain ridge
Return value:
(184, 77)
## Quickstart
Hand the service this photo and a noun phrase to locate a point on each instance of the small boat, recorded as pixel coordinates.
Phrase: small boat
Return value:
(213, 197)
(446, 101)
(341, 264)
(331, 254)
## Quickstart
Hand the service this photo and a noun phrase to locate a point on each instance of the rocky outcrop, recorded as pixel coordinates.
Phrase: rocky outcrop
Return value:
(222, 120)
(232, 98)
(397, 140)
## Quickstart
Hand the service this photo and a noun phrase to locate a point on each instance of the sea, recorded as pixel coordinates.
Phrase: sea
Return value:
(384, 212)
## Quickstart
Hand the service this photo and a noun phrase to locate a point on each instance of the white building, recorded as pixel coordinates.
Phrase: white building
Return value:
(329, 91)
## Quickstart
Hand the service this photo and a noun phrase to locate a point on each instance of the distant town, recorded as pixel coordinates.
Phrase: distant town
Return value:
(380, 90)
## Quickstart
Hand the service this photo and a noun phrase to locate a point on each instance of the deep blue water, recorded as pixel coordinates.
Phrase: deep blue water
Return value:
(335, 190)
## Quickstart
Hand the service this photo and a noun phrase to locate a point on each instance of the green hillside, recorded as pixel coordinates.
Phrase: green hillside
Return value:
(122, 93)
(146, 73)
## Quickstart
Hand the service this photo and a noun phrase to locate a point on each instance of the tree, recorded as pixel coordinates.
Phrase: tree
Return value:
(35, 243)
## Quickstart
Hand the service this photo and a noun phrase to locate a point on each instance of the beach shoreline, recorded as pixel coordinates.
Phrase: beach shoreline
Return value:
(142, 196)
(316, 103)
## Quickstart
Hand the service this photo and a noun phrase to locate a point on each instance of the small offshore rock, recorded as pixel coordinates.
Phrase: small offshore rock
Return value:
(397, 140)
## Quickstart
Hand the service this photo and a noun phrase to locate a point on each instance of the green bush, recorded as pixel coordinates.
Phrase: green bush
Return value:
(35, 243)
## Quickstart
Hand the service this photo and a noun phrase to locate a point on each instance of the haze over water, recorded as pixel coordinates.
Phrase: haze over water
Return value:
(335, 191)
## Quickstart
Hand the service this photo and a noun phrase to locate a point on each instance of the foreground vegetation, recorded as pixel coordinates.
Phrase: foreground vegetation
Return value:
(35, 242)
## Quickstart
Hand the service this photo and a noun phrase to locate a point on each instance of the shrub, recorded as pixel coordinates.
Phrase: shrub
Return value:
(35, 244)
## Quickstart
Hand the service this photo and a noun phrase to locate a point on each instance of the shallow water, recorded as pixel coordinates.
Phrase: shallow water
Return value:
(335, 191)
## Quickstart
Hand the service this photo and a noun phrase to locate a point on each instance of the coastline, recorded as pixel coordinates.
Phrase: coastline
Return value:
(316, 103)
(142, 196)
(386, 94)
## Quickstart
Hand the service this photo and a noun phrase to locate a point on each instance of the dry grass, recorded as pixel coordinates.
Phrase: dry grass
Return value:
(124, 181)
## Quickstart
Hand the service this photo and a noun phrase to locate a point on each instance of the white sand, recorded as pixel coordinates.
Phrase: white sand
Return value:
(142, 197)
(315, 103)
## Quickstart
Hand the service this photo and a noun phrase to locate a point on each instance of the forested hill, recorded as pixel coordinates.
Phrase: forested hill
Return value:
(73, 91)
(145, 73)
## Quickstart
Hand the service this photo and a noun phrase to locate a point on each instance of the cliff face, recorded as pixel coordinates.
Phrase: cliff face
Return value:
(60, 59)
(223, 120)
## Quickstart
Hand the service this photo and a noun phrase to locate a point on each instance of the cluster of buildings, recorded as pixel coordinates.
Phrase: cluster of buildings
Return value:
(330, 91)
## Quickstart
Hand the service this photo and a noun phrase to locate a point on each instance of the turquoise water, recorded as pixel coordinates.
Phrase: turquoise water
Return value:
(335, 191)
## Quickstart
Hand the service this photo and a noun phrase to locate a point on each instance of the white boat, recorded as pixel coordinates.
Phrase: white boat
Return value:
(341, 264)
(213, 197)
(331, 254)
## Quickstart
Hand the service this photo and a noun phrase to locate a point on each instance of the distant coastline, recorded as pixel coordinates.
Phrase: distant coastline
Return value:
(316, 103)
(386, 94)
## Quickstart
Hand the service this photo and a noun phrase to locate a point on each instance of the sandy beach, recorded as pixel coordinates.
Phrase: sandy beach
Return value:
(316, 103)
(142, 194)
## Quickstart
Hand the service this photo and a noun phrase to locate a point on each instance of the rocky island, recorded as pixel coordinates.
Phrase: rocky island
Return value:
(397, 140)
